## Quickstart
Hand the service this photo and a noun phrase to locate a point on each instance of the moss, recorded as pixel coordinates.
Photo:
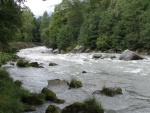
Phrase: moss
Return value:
(75, 83)
(28, 108)
(109, 91)
(52, 109)
(33, 99)
(23, 63)
(49, 95)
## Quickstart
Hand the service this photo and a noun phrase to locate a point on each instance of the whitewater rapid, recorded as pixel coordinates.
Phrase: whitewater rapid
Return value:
(132, 76)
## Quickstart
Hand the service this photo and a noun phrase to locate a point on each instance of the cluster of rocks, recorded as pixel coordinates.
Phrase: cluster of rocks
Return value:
(24, 63)
(32, 99)
(126, 55)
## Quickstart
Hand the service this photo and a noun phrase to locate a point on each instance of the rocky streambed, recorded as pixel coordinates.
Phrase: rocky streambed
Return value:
(133, 77)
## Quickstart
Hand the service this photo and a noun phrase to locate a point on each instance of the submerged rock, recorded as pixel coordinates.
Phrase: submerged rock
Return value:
(84, 72)
(57, 85)
(52, 109)
(52, 64)
(96, 56)
(130, 55)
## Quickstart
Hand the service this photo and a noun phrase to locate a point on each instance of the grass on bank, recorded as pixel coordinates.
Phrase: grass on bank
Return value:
(10, 94)
(13, 97)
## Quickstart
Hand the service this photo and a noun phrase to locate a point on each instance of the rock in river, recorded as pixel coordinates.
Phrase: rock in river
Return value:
(130, 55)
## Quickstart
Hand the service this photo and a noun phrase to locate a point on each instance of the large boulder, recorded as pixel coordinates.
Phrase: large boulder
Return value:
(130, 55)
(78, 49)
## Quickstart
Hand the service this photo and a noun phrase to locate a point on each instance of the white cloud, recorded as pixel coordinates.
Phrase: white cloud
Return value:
(39, 6)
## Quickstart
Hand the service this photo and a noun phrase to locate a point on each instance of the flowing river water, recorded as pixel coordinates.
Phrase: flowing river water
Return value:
(132, 76)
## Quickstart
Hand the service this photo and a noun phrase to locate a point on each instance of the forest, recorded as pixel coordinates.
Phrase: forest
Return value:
(95, 24)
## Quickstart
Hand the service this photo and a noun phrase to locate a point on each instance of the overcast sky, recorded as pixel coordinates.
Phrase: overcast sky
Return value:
(39, 6)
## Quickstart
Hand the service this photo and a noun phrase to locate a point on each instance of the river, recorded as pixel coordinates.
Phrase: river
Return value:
(132, 76)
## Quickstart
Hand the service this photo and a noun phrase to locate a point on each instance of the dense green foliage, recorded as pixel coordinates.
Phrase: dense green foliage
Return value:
(17, 24)
(100, 24)
(95, 24)
(9, 20)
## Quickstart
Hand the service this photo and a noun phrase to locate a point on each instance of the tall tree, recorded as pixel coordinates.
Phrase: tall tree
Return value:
(10, 19)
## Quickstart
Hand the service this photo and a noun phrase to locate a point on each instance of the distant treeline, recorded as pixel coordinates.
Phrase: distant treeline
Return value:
(95, 24)
(100, 24)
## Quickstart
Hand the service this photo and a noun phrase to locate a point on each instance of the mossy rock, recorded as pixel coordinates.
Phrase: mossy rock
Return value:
(76, 107)
(34, 64)
(52, 109)
(23, 63)
(28, 108)
(33, 99)
(109, 91)
(88, 106)
(75, 84)
(59, 101)
(49, 95)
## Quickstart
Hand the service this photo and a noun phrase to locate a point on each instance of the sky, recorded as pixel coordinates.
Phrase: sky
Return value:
(39, 6)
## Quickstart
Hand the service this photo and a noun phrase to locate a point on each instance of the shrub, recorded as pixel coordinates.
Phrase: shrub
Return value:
(23, 63)
(92, 106)
(75, 83)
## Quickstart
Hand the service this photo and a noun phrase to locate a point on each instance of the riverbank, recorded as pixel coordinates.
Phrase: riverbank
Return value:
(10, 94)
